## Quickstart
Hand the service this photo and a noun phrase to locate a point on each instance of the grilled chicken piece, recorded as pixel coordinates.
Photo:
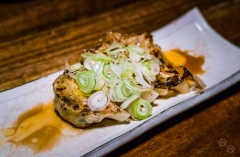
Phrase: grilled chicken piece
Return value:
(170, 77)
(72, 105)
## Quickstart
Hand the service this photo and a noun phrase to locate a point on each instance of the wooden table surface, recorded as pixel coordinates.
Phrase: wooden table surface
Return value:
(36, 37)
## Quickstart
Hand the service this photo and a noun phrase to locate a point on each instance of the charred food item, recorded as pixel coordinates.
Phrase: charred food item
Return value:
(118, 78)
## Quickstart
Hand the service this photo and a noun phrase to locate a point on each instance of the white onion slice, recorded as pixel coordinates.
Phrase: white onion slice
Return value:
(99, 83)
(161, 91)
(98, 68)
(87, 64)
(147, 56)
(183, 87)
(114, 45)
(111, 92)
(76, 66)
(92, 65)
(98, 101)
(155, 68)
(149, 95)
(147, 73)
(127, 102)
(116, 69)
(134, 57)
(113, 52)
(140, 79)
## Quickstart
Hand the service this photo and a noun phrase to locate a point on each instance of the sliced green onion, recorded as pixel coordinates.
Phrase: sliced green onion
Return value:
(102, 58)
(135, 57)
(128, 65)
(148, 74)
(113, 46)
(88, 64)
(127, 70)
(146, 64)
(112, 96)
(127, 102)
(154, 65)
(99, 83)
(135, 49)
(115, 51)
(98, 101)
(127, 73)
(140, 79)
(76, 66)
(107, 72)
(129, 84)
(86, 81)
(127, 92)
(116, 69)
(118, 91)
(141, 109)
(97, 57)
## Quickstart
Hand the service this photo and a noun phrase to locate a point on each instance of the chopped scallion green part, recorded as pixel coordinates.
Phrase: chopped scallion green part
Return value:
(135, 49)
(126, 91)
(141, 109)
(118, 91)
(107, 72)
(86, 81)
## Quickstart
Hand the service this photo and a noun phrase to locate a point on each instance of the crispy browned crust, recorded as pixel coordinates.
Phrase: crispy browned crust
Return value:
(169, 75)
(72, 105)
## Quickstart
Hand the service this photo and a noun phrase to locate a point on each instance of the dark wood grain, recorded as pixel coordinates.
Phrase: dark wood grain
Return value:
(36, 37)
(29, 46)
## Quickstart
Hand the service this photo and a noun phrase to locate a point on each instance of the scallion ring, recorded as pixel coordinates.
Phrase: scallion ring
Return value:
(108, 72)
(86, 81)
(141, 109)
(126, 91)
(98, 101)
(135, 49)
(118, 91)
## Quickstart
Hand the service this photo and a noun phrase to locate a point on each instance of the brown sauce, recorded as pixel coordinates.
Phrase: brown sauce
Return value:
(26, 130)
(183, 58)
(38, 128)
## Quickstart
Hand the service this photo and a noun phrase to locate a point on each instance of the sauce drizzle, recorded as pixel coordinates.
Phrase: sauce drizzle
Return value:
(183, 58)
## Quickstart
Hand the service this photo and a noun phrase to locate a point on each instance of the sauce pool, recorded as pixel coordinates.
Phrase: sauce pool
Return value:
(39, 128)
(183, 58)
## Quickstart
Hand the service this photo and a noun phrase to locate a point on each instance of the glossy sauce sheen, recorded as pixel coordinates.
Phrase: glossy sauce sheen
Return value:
(183, 58)
(46, 137)
(39, 128)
